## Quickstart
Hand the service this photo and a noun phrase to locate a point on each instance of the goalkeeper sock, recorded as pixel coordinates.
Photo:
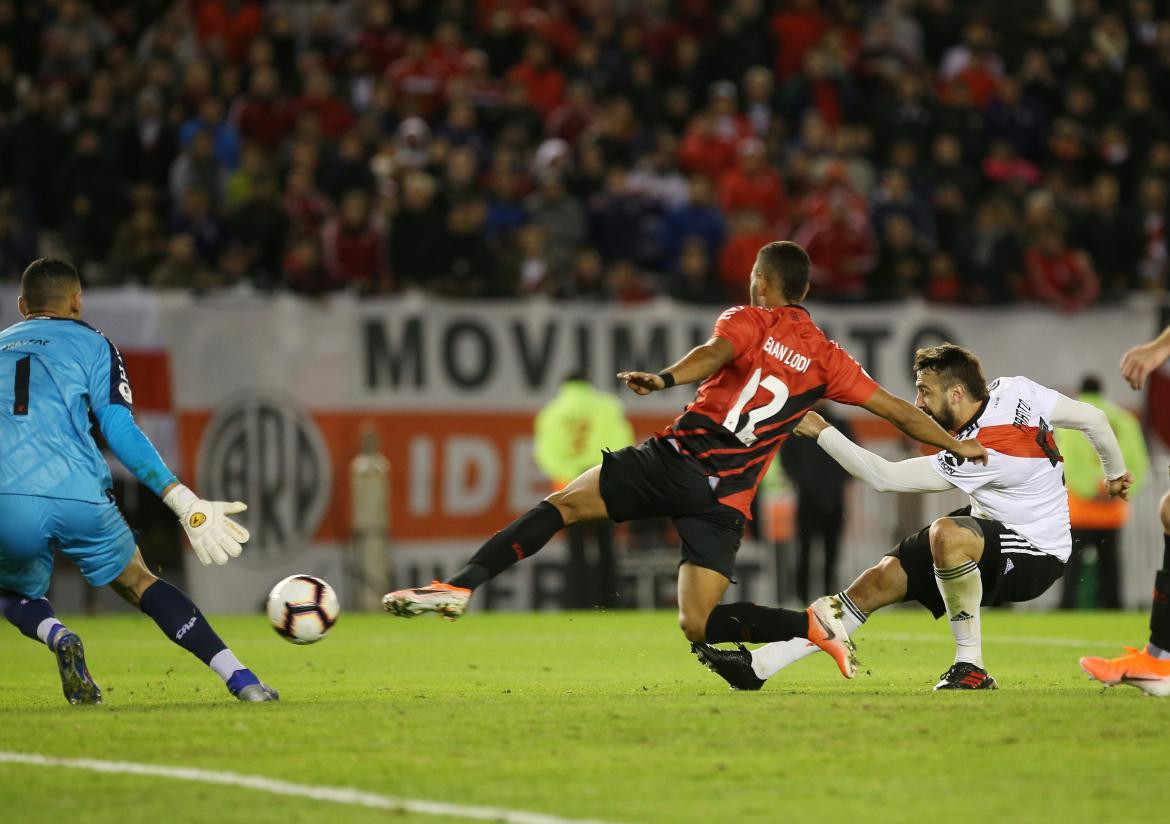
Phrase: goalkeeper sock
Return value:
(770, 659)
(754, 624)
(962, 590)
(34, 618)
(182, 622)
(520, 539)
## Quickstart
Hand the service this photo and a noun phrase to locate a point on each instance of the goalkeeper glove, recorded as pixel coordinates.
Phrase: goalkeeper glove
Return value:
(214, 536)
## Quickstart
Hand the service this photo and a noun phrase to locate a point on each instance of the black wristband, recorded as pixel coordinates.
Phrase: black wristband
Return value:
(667, 379)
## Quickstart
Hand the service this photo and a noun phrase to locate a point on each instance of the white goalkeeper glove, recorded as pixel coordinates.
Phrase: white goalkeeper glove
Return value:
(214, 536)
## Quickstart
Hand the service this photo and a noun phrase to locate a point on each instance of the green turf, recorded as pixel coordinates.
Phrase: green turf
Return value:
(591, 715)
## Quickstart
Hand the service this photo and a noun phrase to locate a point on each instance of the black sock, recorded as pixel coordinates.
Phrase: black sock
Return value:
(181, 621)
(27, 615)
(520, 539)
(755, 624)
(471, 576)
(1160, 611)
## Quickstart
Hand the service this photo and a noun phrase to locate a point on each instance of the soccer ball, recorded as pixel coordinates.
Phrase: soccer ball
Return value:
(302, 609)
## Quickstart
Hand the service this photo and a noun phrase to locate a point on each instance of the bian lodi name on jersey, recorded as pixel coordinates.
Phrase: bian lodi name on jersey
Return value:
(790, 358)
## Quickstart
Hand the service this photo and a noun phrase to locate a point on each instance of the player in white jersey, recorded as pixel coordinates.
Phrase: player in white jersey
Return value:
(1009, 545)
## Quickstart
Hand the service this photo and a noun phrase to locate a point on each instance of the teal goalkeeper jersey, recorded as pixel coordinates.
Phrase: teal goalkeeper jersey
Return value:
(58, 379)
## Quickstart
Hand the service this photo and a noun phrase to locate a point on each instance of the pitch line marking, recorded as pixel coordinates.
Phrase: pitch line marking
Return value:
(1020, 640)
(336, 795)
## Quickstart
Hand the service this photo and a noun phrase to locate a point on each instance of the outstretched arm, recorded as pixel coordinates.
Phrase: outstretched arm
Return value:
(1140, 361)
(214, 536)
(1070, 414)
(921, 427)
(697, 365)
(913, 475)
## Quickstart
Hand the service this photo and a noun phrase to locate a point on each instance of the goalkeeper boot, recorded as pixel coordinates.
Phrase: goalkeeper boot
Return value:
(827, 631)
(1137, 668)
(732, 665)
(448, 601)
(245, 686)
(963, 675)
(76, 682)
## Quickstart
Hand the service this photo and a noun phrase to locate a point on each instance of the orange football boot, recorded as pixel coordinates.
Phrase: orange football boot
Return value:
(1138, 668)
(827, 631)
(444, 599)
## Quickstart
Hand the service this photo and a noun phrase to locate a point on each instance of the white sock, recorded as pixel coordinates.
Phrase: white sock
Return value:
(962, 590)
(771, 658)
(1156, 651)
(225, 663)
(47, 631)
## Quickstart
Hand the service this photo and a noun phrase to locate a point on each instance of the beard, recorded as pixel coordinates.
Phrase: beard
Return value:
(944, 418)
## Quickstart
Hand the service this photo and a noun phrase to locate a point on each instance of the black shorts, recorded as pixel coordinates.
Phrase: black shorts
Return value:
(651, 480)
(1012, 570)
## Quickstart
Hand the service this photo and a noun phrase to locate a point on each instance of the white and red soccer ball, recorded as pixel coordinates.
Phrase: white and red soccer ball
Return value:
(302, 609)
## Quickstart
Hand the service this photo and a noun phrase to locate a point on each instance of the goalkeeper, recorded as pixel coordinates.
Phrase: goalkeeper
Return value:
(57, 376)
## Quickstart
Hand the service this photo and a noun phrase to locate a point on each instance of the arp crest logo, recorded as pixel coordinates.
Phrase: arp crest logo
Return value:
(265, 450)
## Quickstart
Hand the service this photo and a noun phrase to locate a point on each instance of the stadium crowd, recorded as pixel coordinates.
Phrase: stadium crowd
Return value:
(963, 151)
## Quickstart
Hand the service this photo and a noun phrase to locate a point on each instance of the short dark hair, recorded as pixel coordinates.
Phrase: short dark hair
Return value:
(953, 364)
(1091, 385)
(47, 282)
(788, 263)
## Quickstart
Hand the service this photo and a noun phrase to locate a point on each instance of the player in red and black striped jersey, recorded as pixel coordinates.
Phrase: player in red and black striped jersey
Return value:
(765, 365)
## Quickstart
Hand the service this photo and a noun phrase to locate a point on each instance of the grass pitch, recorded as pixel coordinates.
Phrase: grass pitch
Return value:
(591, 715)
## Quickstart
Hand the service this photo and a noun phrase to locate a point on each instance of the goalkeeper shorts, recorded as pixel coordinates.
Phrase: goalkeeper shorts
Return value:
(94, 536)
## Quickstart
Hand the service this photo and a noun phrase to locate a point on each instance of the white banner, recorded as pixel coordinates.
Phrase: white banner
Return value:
(414, 353)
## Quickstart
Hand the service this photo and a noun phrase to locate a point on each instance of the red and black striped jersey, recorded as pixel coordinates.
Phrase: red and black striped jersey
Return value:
(740, 416)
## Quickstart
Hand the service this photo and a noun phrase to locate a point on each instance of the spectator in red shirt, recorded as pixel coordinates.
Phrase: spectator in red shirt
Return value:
(318, 98)
(795, 30)
(545, 82)
(263, 115)
(834, 188)
(1058, 276)
(447, 52)
(840, 241)
(751, 184)
(749, 233)
(551, 24)
(713, 134)
(235, 22)
(417, 81)
(354, 247)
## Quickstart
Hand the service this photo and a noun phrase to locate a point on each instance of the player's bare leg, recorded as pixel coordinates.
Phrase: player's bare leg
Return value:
(699, 591)
(956, 544)
(578, 502)
(1147, 669)
(182, 622)
(35, 618)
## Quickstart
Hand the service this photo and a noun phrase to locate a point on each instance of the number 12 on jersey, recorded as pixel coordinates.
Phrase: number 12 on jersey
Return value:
(746, 432)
